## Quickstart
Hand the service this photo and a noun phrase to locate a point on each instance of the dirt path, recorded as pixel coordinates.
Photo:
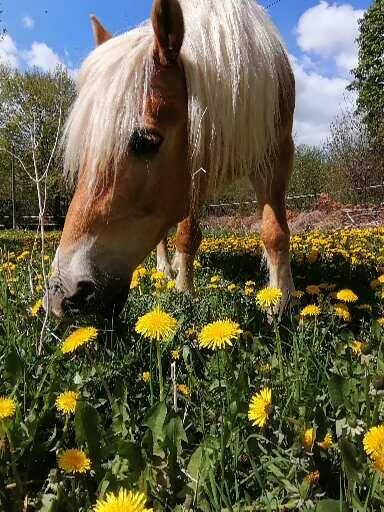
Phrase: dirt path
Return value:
(325, 215)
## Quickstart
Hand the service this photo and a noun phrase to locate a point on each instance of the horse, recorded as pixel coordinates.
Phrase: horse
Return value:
(199, 95)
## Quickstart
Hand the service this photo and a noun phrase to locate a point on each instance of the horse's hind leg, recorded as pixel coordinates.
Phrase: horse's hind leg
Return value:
(274, 230)
(163, 262)
(188, 239)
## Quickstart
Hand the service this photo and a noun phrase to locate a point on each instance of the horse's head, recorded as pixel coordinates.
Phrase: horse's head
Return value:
(127, 143)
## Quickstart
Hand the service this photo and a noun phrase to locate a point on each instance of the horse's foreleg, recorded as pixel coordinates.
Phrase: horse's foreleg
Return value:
(188, 239)
(163, 263)
(275, 236)
(275, 231)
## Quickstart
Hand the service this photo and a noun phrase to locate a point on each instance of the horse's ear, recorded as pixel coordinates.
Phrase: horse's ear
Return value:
(101, 35)
(168, 25)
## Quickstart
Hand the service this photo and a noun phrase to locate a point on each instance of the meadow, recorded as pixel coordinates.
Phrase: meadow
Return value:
(199, 403)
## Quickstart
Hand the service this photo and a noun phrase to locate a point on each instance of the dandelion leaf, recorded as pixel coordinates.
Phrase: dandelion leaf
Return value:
(351, 464)
(155, 422)
(87, 428)
(331, 506)
(338, 388)
(175, 434)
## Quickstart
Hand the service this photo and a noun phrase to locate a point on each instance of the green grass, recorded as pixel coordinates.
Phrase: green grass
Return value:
(206, 455)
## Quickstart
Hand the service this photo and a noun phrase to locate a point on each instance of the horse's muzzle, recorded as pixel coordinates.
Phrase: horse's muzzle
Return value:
(86, 298)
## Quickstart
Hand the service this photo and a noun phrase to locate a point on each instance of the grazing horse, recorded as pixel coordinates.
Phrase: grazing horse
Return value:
(201, 94)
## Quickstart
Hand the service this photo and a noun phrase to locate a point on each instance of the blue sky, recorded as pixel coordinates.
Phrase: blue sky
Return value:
(319, 35)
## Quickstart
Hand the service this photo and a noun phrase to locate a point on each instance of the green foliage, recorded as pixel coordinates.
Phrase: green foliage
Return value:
(310, 172)
(33, 107)
(369, 74)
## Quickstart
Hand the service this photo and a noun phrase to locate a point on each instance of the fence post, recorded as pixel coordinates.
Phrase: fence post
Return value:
(13, 188)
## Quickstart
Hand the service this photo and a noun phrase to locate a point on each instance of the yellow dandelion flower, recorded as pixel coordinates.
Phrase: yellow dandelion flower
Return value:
(249, 291)
(219, 334)
(183, 389)
(346, 295)
(313, 478)
(156, 325)
(380, 321)
(232, 288)
(374, 442)
(341, 310)
(268, 297)
(175, 354)
(215, 279)
(36, 308)
(171, 285)
(7, 407)
(73, 461)
(141, 271)
(78, 338)
(158, 276)
(191, 332)
(197, 265)
(381, 279)
(326, 443)
(160, 285)
(146, 376)
(135, 280)
(313, 289)
(310, 310)
(378, 464)
(124, 501)
(266, 368)
(309, 439)
(259, 407)
(66, 402)
(357, 347)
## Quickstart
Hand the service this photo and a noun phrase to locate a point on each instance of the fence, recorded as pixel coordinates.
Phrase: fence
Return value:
(353, 216)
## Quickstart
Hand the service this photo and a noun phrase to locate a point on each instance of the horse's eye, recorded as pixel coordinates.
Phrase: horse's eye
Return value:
(144, 142)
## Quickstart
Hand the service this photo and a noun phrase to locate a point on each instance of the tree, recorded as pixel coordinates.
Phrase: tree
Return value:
(354, 163)
(32, 108)
(369, 74)
(309, 171)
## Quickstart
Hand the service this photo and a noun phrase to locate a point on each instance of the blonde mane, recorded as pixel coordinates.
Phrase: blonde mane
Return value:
(236, 71)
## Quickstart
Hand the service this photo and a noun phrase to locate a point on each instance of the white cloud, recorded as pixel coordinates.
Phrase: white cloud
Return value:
(28, 22)
(329, 31)
(42, 56)
(8, 52)
(318, 101)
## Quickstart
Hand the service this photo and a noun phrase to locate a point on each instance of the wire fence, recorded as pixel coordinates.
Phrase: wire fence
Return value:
(373, 195)
(354, 215)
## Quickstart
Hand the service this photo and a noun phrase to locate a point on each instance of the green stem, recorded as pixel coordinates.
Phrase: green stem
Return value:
(367, 399)
(160, 369)
(297, 371)
(222, 450)
(19, 485)
(279, 349)
(102, 380)
(151, 373)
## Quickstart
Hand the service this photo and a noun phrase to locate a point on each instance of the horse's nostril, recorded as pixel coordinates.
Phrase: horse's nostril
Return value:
(85, 292)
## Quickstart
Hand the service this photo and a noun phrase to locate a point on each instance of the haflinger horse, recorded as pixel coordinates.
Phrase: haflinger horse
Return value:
(201, 94)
